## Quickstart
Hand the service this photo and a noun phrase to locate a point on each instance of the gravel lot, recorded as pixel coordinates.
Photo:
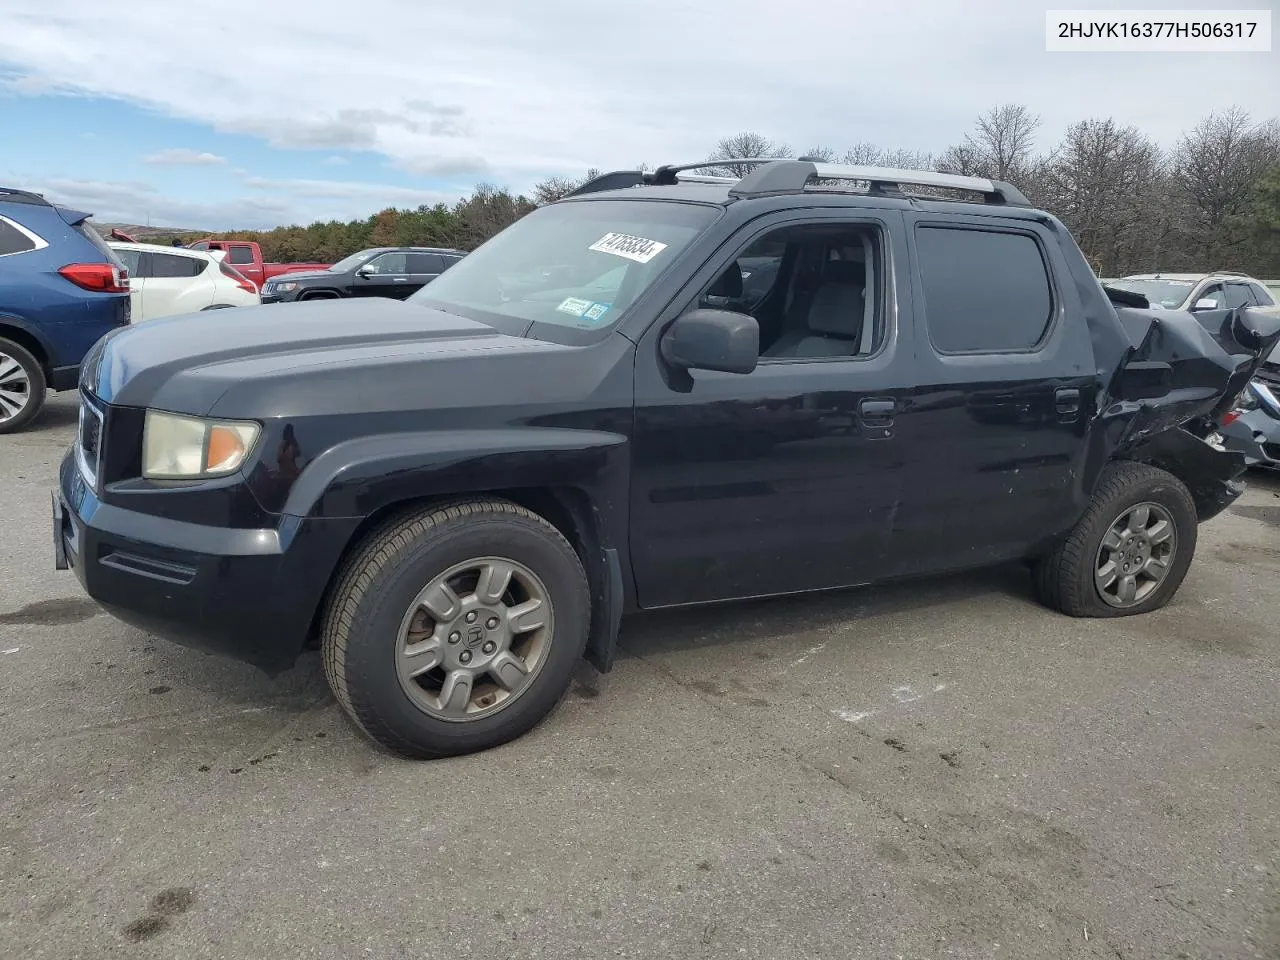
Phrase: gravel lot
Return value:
(940, 769)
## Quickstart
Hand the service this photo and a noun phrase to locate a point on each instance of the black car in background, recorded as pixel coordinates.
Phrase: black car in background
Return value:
(393, 272)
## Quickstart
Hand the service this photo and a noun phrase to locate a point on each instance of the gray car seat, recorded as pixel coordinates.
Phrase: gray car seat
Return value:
(833, 323)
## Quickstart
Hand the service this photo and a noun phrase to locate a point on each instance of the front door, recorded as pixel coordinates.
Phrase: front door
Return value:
(786, 478)
(386, 275)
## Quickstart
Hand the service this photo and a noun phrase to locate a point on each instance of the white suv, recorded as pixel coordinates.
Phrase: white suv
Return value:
(164, 281)
(1223, 289)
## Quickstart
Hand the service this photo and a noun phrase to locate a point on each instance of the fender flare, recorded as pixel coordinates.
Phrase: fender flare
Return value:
(50, 355)
(361, 477)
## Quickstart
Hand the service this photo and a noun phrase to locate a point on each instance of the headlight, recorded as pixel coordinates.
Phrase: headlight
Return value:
(285, 287)
(187, 448)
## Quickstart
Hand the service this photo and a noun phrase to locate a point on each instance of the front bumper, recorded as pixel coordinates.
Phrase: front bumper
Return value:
(247, 594)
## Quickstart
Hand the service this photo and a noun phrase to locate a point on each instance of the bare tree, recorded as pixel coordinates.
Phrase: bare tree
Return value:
(1001, 147)
(1104, 181)
(820, 155)
(1216, 169)
(557, 188)
(742, 146)
(863, 154)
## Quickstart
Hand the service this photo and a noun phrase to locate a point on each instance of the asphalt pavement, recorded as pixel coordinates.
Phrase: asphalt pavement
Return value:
(939, 769)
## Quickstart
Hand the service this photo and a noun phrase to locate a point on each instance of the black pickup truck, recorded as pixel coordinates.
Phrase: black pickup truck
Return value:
(459, 495)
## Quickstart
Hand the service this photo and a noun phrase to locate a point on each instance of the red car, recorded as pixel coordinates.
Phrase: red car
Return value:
(246, 257)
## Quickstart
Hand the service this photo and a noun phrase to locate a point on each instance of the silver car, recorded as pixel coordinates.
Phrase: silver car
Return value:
(1220, 290)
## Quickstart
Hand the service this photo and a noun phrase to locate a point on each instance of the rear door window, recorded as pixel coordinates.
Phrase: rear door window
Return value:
(985, 291)
(425, 263)
(1238, 296)
(240, 254)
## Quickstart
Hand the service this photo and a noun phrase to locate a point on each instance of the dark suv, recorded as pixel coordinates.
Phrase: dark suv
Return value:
(61, 289)
(665, 393)
(395, 272)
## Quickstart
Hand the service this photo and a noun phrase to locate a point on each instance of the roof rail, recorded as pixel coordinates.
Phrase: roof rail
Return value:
(1227, 273)
(775, 175)
(791, 176)
(667, 175)
(14, 195)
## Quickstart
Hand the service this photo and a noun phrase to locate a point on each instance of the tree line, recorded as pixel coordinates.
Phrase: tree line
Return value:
(1211, 201)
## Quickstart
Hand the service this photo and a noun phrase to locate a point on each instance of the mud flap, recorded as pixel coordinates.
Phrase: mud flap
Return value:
(606, 614)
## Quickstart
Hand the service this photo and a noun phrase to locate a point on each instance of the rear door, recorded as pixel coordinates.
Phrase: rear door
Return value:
(422, 269)
(1006, 385)
(175, 283)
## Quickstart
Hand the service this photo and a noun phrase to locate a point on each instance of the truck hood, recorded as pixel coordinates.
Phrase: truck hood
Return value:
(369, 347)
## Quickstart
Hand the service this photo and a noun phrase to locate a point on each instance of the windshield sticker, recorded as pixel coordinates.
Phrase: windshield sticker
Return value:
(632, 248)
(574, 306)
(595, 312)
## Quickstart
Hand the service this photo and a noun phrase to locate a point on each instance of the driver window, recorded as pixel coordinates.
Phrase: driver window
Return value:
(1213, 293)
(812, 289)
(387, 263)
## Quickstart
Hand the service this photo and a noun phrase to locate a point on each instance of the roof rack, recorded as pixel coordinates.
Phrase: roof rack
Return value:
(778, 175)
(791, 176)
(665, 176)
(14, 195)
(1227, 273)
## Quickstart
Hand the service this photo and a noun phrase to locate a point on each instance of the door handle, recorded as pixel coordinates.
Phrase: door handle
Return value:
(1066, 401)
(878, 411)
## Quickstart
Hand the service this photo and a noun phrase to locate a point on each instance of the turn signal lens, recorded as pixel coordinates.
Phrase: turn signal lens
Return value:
(189, 448)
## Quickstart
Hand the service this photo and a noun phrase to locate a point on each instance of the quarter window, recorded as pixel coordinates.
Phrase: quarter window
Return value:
(985, 291)
(1260, 296)
(13, 240)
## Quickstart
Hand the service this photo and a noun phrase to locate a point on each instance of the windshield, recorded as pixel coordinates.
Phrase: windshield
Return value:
(347, 264)
(577, 265)
(1159, 293)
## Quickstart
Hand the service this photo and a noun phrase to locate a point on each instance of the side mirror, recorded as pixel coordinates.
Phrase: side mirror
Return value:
(1252, 329)
(713, 340)
(1206, 303)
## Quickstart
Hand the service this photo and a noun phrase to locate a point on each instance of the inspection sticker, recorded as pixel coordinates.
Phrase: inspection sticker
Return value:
(574, 306)
(624, 245)
(595, 311)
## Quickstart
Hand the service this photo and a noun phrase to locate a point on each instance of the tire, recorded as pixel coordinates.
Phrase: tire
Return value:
(1065, 580)
(30, 375)
(374, 607)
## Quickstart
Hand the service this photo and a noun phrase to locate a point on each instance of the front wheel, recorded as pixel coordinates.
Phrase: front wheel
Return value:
(456, 628)
(1130, 551)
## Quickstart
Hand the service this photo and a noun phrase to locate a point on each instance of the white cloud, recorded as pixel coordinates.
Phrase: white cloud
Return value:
(517, 91)
(336, 161)
(265, 202)
(180, 157)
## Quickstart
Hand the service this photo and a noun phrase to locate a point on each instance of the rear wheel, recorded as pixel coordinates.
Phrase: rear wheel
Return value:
(1130, 551)
(456, 628)
(22, 386)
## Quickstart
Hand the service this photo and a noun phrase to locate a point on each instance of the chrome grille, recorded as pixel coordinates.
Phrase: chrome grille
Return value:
(89, 440)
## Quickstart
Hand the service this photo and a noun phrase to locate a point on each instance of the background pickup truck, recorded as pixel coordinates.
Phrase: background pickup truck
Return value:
(661, 394)
(246, 257)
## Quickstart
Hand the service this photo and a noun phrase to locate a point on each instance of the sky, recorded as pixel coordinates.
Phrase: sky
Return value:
(215, 116)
